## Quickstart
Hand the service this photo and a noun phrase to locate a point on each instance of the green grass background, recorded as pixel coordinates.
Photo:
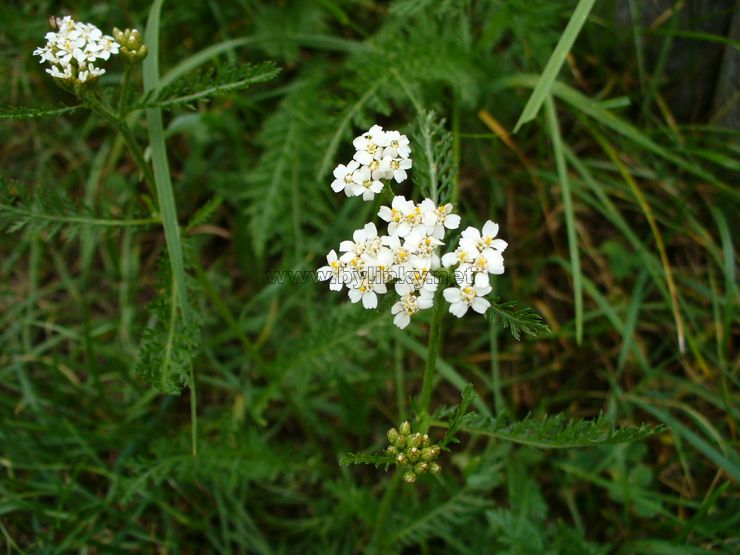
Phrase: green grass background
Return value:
(619, 209)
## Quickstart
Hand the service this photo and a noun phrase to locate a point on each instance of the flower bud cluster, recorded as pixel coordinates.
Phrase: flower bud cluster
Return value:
(73, 50)
(132, 48)
(379, 155)
(413, 452)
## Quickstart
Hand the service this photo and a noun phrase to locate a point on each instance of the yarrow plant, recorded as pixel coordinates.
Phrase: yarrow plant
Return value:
(73, 50)
(408, 253)
(76, 53)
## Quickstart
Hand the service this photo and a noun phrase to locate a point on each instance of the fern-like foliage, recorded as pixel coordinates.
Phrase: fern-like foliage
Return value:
(344, 330)
(211, 82)
(559, 431)
(22, 112)
(168, 347)
(519, 321)
(444, 516)
(455, 422)
(285, 176)
(52, 213)
(397, 67)
(205, 213)
(227, 464)
(434, 171)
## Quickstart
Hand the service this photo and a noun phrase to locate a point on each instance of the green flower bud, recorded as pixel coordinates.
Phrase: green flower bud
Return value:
(392, 436)
(391, 450)
(421, 467)
(405, 428)
(402, 460)
(409, 476)
(425, 440)
(413, 454)
(427, 454)
(132, 48)
(434, 468)
(435, 451)
(415, 440)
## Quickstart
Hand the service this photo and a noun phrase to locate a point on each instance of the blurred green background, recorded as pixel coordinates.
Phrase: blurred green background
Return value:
(291, 377)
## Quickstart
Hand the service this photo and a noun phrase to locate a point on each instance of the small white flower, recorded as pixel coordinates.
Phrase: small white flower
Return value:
(334, 271)
(407, 306)
(370, 145)
(485, 239)
(439, 218)
(468, 296)
(343, 178)
(367, 291)
(418, 277)
(398, 145)
(395, 168)
(461, 255)
(396, 215)
(364, 240)
(365, 185)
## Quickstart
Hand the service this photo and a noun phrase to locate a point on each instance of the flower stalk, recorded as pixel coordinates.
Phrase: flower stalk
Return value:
(435, 339)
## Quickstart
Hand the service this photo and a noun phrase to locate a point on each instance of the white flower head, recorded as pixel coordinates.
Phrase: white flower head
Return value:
(334, 271)
(394, 168)
(437, 219)
(468, 296)
(343, 178)
(369, 145)
(408, 305)
(396, 214)
(398, 145)
(365, 185)
(485, 238)
(74, 48)
(366, 290)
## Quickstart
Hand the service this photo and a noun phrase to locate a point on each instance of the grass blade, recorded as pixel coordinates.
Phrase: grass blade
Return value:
(163, 184)
(645, 206)
(542, 89)
(162, 179)
(565, 187)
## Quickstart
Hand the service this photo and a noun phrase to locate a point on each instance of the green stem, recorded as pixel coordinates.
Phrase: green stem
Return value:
(377, 543)
(435, 338)
(128, 137)
(124, 91)
(193, 413)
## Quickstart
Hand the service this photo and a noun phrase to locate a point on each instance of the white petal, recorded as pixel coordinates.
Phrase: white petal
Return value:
(481, 280)
(402, 320)
(449, 259)
(490, 229)
(370, 300)
(452, 294)
(480, 305)
(337, 185)
(499, 245)
(452, 221)
(471, 234)
(355, 295)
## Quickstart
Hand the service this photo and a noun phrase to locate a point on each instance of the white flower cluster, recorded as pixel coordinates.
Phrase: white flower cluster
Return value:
(407, 254)
(379, 155)
(73, 50)
(478, 254)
